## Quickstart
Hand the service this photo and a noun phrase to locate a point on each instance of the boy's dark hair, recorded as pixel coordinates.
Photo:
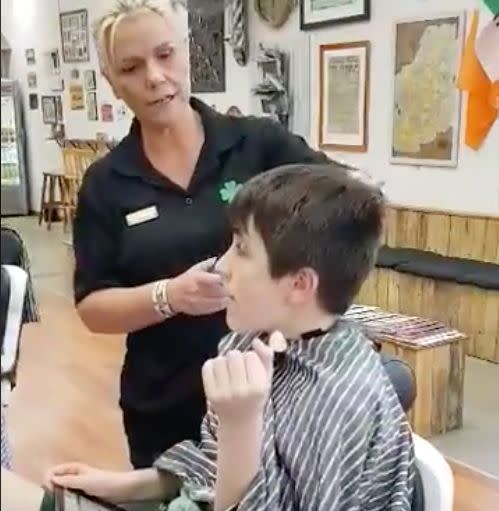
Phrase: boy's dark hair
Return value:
(316, 216)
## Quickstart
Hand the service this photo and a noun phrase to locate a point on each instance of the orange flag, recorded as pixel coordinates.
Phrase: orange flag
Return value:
(481, 111)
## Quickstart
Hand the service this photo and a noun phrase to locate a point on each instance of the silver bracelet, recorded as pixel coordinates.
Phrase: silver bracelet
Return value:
(160, 299)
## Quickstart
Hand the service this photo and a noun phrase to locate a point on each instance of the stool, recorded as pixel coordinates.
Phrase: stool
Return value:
(55, 183)
(436, 355)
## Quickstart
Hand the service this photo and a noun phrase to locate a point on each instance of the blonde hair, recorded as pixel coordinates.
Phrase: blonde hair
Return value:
(104, 31)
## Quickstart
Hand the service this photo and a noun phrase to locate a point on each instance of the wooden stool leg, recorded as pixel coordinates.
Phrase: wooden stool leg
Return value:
(42, 200)
(50, 208)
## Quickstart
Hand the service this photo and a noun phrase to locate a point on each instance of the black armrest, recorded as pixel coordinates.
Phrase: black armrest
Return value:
(4, 302)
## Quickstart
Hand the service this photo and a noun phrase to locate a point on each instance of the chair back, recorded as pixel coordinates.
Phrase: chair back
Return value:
(13, 291)
(436, 476)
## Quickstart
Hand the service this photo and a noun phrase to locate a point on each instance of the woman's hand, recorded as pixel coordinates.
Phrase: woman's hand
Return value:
(198, 291)
(113, 487)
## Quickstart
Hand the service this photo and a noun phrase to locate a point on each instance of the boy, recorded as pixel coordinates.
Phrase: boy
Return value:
(318, 425)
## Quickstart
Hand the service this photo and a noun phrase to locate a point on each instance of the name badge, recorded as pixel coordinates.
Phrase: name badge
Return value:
(142, 215)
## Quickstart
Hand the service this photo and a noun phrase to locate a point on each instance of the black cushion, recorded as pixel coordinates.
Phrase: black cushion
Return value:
(389, 257)
(486, 278)
(435, 266)
(11, 247)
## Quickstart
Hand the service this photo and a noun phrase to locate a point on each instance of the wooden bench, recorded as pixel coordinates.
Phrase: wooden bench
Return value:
(469, 309)
(436, 355)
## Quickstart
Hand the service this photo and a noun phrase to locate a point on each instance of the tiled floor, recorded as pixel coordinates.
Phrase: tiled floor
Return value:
(477, 444)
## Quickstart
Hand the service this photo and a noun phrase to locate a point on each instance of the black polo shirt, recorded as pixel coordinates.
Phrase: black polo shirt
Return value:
(162, 368)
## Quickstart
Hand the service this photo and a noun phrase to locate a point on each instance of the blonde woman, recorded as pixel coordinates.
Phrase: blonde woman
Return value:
(151, 217)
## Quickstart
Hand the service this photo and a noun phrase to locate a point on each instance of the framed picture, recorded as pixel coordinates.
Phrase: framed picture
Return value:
(58, 109)
(106, 111)
(75, 74)
(30, 57)
(74, 36)
(322, 13)
(76, 97)
(89, 79)
(53, 62)
(207, 45)
(33, 101)
(426, 104)
(344, 91)
(49, 110)
(32, 82)
(92, 112)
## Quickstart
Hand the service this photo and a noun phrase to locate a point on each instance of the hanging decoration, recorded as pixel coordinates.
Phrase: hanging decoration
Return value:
(273, 89)
(239, 31)
(274, 12)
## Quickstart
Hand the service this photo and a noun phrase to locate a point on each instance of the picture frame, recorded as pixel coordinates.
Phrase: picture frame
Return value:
(58, 109)
(344, 96)
(32, 80)
(74, 36)
(89, 79)
(33, 101)
(30, 57)
(92, 110)
(76, 97)
(426, 114)
(107, 112)
(49, 110)
(322, 13)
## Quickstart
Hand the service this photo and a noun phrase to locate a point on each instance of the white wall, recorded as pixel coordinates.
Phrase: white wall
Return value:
(472, 187)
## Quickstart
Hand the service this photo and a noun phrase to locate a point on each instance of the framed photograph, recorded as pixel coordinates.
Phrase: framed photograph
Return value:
(322, 13)
(92, 112)
(89, 79)
(32, 82)
(58, 109)
(74, 36)
(30, 57)
(426, 103)
(76, 97)
(344, 96)
(33, 101)
(53, 62)
(106, 112)
(49, 110)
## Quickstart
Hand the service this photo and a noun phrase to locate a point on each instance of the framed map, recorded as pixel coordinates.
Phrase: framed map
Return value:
(426, 101)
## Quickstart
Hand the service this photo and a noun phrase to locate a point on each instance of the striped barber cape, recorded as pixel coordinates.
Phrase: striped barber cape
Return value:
(335, 435)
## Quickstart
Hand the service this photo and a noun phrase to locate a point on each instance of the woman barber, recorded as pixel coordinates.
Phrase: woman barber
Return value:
(151, 217)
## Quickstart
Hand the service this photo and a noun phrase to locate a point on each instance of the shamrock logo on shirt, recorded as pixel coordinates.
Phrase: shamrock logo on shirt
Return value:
(229, 190)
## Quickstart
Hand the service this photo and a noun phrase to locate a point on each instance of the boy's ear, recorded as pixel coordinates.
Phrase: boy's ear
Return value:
(304, 285)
